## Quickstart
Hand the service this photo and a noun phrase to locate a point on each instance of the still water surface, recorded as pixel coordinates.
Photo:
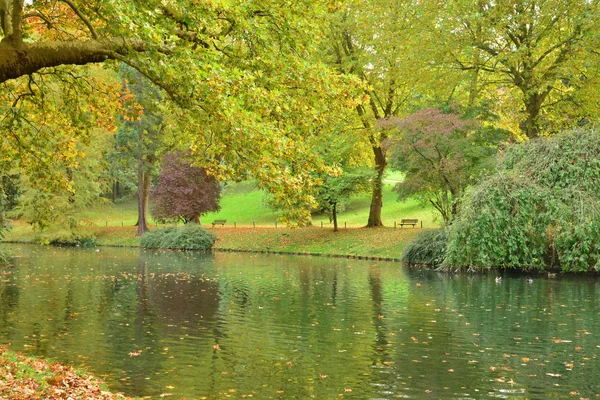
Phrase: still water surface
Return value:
(228, 325)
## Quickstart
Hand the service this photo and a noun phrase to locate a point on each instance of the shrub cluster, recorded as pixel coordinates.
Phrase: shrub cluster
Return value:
(188, 237)
(427, 248)
(68, 239)
(541, 210)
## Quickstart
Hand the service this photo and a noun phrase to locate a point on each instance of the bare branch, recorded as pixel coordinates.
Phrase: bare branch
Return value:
(37, 14)
(82, 17)
(23, 95)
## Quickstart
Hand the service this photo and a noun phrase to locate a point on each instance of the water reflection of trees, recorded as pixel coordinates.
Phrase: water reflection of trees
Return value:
(303, 326)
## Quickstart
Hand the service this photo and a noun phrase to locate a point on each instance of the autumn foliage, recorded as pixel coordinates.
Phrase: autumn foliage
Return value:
(184, 192)
(22, 377)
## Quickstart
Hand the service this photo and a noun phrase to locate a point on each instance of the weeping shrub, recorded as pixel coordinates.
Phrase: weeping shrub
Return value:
(188, 237)
(541, 210)
(67, 238)
(427, 248)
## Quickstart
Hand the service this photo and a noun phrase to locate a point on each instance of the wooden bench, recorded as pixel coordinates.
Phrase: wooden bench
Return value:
(219, 222)
(412, 222)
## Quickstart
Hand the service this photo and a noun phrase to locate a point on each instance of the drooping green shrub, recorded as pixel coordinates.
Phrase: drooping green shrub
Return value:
(68, 239)
(3, 258)
(188, 237)
(541, 210)
(427, 248)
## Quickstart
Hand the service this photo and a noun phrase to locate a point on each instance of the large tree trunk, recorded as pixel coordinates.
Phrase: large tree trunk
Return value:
(533, 107)
(377, 197)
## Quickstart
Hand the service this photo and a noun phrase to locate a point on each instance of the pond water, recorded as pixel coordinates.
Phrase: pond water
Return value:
(226, 325)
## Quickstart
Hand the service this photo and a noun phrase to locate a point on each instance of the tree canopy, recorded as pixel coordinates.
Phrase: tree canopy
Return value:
(240, 78)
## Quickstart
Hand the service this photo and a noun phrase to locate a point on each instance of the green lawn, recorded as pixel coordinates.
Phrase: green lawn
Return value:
(243, 204)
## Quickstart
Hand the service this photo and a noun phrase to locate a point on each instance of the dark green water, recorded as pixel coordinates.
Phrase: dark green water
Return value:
(294, 327)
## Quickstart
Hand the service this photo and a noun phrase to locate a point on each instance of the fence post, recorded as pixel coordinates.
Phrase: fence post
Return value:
(345, 227)
(234, 224)
(321, 224)
(421, 224)
(394, 224)
(253, 224)
(275, 224)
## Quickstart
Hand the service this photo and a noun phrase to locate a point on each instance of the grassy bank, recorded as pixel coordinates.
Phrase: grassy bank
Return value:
(378, 242)
(23, 377)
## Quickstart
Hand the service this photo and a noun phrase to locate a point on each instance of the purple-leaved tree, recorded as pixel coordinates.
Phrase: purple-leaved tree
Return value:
(183, 192)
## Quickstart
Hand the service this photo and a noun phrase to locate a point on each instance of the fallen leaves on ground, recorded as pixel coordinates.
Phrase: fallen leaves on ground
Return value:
(23, 378)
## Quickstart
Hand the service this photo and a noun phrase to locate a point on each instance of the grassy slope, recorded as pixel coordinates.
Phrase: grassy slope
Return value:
(242, 204)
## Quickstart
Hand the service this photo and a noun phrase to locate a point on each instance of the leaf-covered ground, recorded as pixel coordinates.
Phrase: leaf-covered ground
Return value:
(23, 378)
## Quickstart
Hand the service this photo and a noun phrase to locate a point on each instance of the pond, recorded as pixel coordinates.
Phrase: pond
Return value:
(227, 325)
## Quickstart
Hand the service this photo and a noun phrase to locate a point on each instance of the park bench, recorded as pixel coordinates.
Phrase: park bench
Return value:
(219, 222)
(412, 222)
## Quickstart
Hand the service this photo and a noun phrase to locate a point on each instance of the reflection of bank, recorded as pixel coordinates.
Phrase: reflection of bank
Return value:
(9, 301)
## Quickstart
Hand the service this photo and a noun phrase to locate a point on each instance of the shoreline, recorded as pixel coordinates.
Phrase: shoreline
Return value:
(378, 244)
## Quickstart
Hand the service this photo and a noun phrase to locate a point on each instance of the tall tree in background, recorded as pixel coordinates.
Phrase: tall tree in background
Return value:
(183, 192)
(542, 52)
(140, 135)
(375, 41)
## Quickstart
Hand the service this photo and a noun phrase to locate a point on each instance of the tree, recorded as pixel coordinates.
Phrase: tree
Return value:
(183, 192)
(241, 77)
(139, 138)
(376, 41)
(441, 154)
(544, 52)
(336, 190)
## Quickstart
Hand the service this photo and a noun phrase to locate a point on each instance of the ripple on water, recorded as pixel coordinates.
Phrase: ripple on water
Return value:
(228, 325)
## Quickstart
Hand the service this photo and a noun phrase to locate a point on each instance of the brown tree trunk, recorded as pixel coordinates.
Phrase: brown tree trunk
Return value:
(115, 190)
(334, 216)
(142, 224)
(377, 197)
(533, 106)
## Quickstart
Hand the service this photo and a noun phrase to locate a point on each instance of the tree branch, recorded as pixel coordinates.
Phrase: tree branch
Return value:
(17, 22)
(29, 58)
(23, 95)
(37, 14)
(82, 17)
